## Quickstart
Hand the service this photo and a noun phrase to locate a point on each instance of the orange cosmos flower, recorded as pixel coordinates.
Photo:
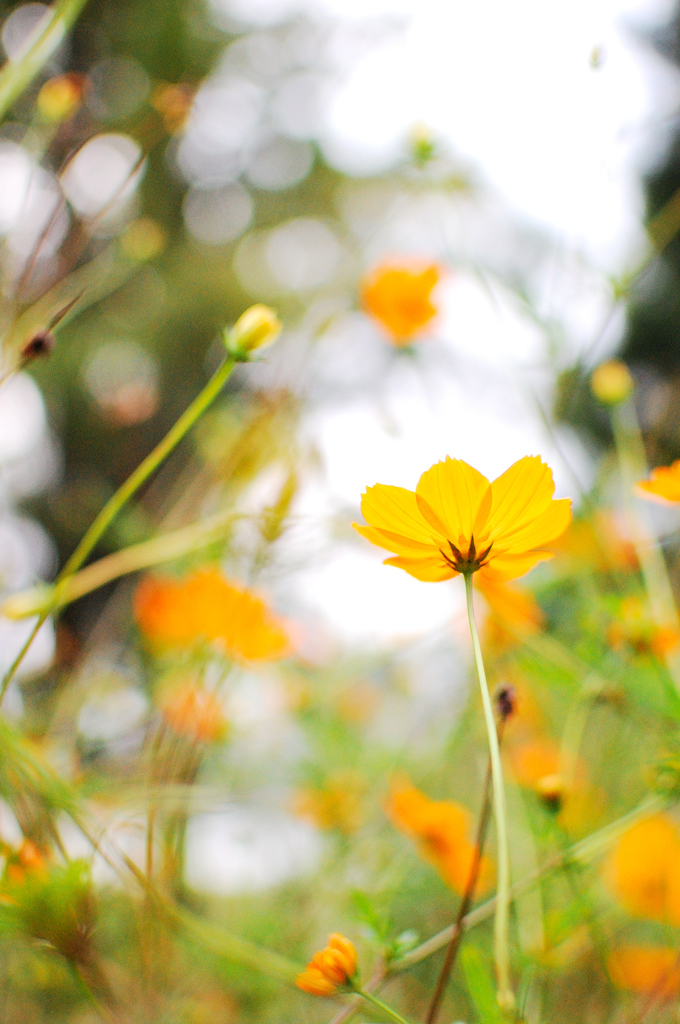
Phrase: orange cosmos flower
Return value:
(440, 829)
(457, 522)
(206, 606)
(534, 761)
(663, 485)
(649, 970)
(192, 710)
(643, 870)
(332, 968)
(398, 296)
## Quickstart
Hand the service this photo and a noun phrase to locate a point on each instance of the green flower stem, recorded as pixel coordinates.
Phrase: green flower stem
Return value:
(392, 1014)
(148, 466)
(506, 999)
(17, 75)
(145, 469)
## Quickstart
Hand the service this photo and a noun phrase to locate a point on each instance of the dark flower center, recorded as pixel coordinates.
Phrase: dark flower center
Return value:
(466, 562)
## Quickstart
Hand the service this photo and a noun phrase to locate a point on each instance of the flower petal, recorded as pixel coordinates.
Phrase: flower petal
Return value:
(663, 485)
(395, 509)
(453, 497)
(520, 494)
(546, 527)
(429, 570)
(509, 567)
(396, 542)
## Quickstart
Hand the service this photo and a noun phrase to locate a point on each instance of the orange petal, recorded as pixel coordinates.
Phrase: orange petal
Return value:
(429, 570)
(395, 509)
(546, 527)
(454, 498)
(663, 485)
(520, 494)
(653, 970)
(509, 567)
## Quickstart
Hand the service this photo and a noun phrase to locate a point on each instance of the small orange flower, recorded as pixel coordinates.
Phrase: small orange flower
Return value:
(534, 760)
(399, 297)
(60, 96)
(643, 870)
(633, 627)
(331, 968)
(173, 103)
(649, 970)
(206, 606)
(440, 829)
(663, 485)
(194, 711)
(457, 522)
(511, 605)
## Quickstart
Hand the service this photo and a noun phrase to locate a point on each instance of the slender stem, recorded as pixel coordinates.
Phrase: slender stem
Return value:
(468, 896)
(148, 466)
(392, 1014)
(17, 75)
(505, 995)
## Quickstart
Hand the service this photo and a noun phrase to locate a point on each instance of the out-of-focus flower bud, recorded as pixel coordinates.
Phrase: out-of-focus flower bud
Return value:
(142, 240)
(40, 345)
(550, 789)
(612, 382)
(60, 97)
(506, 702)
(257, 328)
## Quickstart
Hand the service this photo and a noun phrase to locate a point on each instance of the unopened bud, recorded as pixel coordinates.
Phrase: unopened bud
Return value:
(59, 97)
(550, 789)
(257, 328)
(612, 382)
(506, 702)
(40, 345)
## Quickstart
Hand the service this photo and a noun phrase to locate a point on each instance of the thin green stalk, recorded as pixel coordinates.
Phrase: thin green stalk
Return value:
(145, 469)
(17, 75)
(392, 1014)
(148, 466)
(506, 999)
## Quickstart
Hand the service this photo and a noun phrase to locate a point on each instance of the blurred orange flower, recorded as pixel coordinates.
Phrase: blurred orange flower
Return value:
(510, 604)
(533, 761)
(457, 522)
(440, 829)
(599, 541)
(399, 297)
(634, 627)
(663, 485)
(335, 806)
(206, 606)
(650, 970)
(173, 103)
(643, 870)
(193, 711)
(27, 860)
(330, 968)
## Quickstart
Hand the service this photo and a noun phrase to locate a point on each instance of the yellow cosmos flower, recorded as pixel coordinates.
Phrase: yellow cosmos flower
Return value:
(456, 521)
(663, 485)
(331, 968)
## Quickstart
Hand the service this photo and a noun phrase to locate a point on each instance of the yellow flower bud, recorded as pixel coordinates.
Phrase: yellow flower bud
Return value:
(257, 328)
(612, 382)
(59, 97)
